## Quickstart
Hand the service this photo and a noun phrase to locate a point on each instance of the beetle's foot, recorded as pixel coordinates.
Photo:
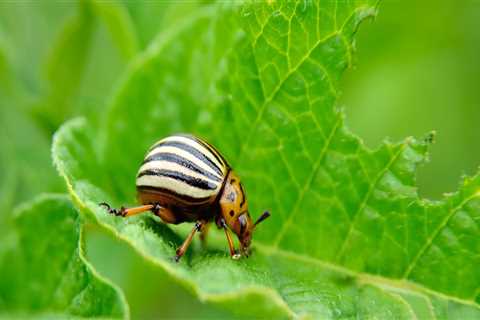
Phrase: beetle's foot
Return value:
(236, 256)
(113, 211)
(176, 258)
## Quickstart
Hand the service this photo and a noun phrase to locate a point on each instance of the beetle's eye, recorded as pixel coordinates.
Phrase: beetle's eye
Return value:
(243, 223)
(231, 196)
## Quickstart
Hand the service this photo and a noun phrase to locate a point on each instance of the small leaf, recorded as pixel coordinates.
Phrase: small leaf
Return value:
(44, 272)
(348, 237)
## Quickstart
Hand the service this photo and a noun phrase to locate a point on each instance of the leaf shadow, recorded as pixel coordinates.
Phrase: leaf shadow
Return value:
(175, 240)
(161, 230)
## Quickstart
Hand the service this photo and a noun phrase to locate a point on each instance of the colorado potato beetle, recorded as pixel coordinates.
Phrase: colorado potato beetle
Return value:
(185, 179)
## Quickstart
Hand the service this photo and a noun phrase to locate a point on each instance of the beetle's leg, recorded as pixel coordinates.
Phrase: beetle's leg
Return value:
(183, 248)
(127, 212)
(233, 254)
(204, 233)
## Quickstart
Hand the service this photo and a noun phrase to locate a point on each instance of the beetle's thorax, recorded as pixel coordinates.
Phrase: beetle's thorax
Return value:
(234, 208)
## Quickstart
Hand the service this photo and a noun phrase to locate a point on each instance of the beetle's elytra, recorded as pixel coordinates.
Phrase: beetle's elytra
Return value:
(185, 179)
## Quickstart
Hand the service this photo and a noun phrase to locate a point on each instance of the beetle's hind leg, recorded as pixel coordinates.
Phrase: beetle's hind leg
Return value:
(127, 212)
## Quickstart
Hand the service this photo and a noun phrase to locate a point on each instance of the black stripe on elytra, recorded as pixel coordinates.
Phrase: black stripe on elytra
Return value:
(191, 150)
(175, 158)
(210, 148)
(168, 192)
(243, 196)
(194, 182)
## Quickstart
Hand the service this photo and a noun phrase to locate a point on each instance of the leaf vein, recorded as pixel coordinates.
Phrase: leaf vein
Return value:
(440, 227)
(274, 93)
(306, 187)
(365, 200)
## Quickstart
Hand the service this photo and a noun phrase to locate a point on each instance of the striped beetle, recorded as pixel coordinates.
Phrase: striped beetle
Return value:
(185, 179)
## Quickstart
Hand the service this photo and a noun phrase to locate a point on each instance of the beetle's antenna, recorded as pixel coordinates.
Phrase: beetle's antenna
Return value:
(264, 216)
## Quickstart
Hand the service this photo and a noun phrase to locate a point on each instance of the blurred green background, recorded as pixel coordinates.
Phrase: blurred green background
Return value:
(417, 69)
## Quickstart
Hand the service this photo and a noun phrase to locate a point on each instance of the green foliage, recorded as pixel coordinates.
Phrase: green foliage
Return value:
(349, 236)
(42, 261)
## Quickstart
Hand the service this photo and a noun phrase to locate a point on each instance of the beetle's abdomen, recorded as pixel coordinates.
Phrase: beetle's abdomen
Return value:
(182, 170)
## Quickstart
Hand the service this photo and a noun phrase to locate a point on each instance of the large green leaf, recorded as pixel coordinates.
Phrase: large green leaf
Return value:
(349, 236)
(44, 272)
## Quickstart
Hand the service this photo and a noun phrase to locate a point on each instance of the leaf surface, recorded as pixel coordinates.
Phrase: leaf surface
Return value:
(349, 236)
(44, 272)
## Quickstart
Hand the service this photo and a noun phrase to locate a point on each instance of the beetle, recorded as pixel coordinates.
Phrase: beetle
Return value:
(185, 179)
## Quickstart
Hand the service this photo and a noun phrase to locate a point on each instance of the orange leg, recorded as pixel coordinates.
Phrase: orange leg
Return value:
(233, 254)
(165, 214)
(127, 212)
(183, 248)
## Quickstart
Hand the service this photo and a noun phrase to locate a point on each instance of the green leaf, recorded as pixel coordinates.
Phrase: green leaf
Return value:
(348, 237)
(44, 272)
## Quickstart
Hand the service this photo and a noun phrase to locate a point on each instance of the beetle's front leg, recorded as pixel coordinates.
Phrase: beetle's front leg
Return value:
(233, 253)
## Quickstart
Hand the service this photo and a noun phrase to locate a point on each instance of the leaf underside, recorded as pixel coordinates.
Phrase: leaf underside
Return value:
(42, 263)
(349, 236)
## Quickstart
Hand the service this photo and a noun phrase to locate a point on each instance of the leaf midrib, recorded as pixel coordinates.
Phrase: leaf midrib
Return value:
(400, 285)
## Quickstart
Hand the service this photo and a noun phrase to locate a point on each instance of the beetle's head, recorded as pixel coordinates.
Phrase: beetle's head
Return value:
(234, 209)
